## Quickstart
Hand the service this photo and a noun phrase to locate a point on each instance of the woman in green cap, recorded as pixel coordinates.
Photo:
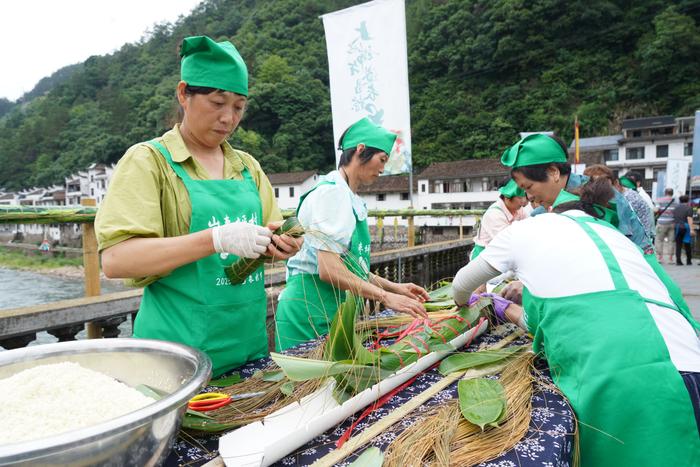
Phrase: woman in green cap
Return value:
(336, 254)
(510, 206)
(539, 166)
(618, 344)
(182, 207)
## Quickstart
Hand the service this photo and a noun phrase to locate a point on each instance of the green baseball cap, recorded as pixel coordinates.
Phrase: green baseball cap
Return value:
(511, 189)
(213, 64)
(565, 197)
(627, 183)
(532, 150)
(365, 132)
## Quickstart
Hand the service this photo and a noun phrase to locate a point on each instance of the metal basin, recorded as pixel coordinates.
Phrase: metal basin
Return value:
(143, 437)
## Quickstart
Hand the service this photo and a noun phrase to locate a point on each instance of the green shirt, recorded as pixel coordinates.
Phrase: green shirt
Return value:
(147, 199)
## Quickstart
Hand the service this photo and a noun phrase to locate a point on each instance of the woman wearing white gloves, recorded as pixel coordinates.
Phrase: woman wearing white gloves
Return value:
(182, 207)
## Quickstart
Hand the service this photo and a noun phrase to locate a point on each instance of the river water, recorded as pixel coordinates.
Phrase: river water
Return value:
(24, 288)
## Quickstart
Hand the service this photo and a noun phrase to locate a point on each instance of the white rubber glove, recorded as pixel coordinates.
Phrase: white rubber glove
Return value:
(241, 239)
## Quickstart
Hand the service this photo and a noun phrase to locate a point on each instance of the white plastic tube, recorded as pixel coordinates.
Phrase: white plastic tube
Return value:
(263, 443)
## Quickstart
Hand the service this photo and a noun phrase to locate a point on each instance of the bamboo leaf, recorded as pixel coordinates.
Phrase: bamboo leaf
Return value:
(244, 267)
(463, 360)
(206, 424)
(287, 388)
(441, 305)
(442, 293)
(234, 378)
(272, 376)
(149, 392)
(482, 401)
(372, 457)
(304, 369)
(157, 394)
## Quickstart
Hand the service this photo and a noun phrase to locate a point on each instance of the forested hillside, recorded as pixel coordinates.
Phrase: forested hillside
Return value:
(479, 70)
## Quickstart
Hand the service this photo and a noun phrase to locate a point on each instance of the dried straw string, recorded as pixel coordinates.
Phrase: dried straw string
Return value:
(445, 438)
(244, 411)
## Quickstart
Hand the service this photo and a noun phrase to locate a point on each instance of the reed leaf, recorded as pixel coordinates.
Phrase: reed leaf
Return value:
(244, 267)
(442, 293)
(482, 401)
(372, 457)
(441, 305)
(272, 376)
(304, 369)
(463, 360)
(234, 378)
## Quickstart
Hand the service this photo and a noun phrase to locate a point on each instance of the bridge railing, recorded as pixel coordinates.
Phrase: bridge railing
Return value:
(101, 315)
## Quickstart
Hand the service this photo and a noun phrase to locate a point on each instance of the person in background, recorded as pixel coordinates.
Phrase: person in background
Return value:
(620, 344)
(629, 190)
(683, 229)
(183, 207)
(510, 206)
(665, 225)
(336, 254)
(637, 179)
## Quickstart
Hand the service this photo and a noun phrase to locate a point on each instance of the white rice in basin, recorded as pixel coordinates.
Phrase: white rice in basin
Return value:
(50, 399)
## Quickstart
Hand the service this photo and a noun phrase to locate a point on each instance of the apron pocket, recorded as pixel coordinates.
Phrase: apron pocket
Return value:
(233, 333)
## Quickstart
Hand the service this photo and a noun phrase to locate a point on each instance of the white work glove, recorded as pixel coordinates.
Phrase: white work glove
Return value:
(241, 239)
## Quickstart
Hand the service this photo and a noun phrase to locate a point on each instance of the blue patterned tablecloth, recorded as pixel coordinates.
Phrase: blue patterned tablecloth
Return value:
(548, 442)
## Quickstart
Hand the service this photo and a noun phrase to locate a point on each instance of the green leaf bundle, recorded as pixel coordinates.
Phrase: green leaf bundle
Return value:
(244, 267)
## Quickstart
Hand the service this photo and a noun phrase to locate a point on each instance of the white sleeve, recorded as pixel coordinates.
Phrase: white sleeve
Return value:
(493, 222)
(327, 214)
(499, 253)
(470, 277)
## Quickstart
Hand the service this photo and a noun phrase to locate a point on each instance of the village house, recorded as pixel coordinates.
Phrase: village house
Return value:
(289, 186)
(645, 145)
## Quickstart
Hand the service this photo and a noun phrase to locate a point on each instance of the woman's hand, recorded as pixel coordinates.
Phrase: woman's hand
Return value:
(413, 291)
(404, 304)
(284, 246)
(241, 238)
(513, 292)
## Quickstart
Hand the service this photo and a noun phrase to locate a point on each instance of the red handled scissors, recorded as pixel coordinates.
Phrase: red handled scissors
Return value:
(215, 400)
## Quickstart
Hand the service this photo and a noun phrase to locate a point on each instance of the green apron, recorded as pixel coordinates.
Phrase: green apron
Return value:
(195, 304)
(477, 249)
(307, 305)
(608, 357)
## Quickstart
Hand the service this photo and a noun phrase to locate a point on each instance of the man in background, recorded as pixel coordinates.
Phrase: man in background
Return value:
(665, 225)
(683, 229)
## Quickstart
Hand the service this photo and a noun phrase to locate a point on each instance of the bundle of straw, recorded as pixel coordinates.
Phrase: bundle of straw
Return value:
(244, 267)
(444, 437)
(244, 411)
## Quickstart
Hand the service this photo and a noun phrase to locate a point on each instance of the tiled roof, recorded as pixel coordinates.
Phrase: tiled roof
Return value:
(597, 142)
(463, 169)
(290, 178)
(8, 196)
(648, 122)
(389, 184)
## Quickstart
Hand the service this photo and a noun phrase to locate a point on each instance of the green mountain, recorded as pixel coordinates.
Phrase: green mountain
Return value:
(480, 71)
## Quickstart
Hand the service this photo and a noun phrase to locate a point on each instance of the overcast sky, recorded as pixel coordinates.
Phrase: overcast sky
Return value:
(39, 37)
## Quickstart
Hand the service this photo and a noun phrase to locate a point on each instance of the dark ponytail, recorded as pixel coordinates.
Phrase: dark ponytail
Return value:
(595, 194)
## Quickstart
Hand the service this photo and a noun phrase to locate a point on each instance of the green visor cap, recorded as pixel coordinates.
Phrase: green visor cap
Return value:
(532, 150)
(565, 197)
(609, 215)
(511, 189)
(213, 65)
(627, 183)
(369, 134)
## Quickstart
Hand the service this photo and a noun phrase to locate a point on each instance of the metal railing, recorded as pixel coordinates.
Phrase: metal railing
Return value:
(101, 315)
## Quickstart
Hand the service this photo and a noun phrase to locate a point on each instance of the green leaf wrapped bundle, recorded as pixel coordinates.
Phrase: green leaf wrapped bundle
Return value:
(244, 267)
